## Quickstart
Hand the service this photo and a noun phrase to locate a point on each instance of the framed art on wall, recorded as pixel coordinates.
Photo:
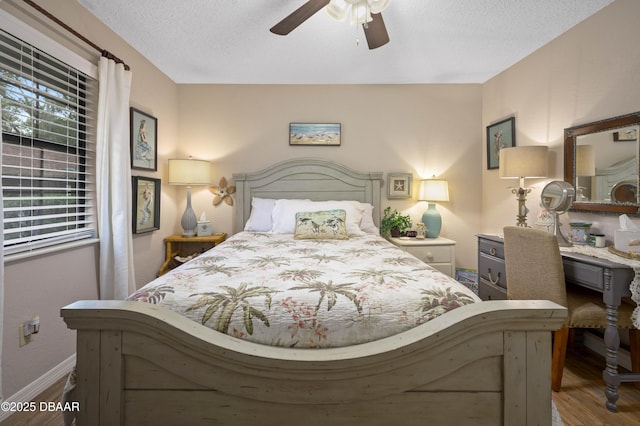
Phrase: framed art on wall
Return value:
(321, 134)
(399, 185)
(146, 204)
(144, 140)
(499, 135)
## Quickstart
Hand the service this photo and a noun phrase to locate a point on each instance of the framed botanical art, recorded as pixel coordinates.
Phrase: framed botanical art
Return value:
(146, 204)
(144, 140)
(316, 134)
(399, 185)
(499, 135)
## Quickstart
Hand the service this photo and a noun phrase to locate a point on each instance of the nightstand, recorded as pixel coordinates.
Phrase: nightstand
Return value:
(177, 245)
(437, 252)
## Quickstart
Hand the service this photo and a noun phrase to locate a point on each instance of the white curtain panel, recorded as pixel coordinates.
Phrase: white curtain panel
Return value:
(113, 170)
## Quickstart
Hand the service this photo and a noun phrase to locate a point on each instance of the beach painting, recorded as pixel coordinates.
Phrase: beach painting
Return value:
(327, 134)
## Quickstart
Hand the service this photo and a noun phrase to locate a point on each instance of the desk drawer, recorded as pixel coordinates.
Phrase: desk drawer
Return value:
(488, 291)
(586, 275)
(491, 248)
(491, 269)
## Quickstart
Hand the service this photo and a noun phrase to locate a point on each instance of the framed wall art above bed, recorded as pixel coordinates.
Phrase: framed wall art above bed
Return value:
(315, 134)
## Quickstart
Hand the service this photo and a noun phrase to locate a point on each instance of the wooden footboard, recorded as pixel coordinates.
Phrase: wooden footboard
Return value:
(485, 363)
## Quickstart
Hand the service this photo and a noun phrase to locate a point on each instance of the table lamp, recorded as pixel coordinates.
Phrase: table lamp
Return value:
(189, 172)
(523, 162)
(432, 190)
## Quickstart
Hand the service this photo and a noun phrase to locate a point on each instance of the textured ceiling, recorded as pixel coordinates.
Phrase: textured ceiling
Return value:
(432, 41)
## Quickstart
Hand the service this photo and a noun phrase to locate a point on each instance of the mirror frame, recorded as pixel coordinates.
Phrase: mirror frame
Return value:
(570, 136)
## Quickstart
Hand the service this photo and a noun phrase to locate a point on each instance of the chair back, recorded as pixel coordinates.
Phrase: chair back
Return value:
(533, 265)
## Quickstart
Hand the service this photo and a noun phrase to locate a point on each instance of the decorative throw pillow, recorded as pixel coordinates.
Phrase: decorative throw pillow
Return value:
(284, 214)
(321, 225)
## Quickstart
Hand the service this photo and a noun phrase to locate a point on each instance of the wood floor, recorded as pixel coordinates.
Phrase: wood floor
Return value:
(580, 403)
(581, 400)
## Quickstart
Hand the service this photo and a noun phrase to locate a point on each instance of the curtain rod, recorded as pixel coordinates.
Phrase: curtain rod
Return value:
(102, 51)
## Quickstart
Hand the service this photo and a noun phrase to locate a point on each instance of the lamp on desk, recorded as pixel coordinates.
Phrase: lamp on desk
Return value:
(523, 162)
(189, 172)
(432, 190)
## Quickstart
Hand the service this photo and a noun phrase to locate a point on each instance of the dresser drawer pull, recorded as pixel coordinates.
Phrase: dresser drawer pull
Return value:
(491, 279)
(492, 251)
(429, 255)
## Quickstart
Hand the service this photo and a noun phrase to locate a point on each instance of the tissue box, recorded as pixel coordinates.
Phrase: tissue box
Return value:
(627, 240)
(204, 228)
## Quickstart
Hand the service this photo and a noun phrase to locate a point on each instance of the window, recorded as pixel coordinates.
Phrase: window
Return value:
(48, 148)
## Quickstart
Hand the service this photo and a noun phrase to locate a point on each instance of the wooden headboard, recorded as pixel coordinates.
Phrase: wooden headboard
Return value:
(311, 178)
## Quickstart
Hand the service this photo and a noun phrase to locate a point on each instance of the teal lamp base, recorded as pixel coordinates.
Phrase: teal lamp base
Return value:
(432, 220)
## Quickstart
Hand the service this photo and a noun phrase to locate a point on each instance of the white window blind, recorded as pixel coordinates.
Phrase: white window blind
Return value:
(48, 148)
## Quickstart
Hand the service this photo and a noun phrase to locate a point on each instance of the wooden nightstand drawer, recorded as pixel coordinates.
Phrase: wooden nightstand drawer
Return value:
(431, 254)
(186, 246)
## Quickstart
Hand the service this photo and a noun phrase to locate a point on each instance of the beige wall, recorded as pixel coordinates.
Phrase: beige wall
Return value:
(590, 73)
(42, 285)
(420, 129)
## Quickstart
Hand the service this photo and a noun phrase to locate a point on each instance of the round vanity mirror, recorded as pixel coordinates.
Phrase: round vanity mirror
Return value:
(557, 197)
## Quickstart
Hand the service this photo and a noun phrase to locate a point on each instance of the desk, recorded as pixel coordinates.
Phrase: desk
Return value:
(610, 278)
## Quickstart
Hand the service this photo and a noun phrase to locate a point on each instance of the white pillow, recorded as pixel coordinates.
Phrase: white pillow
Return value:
(284, 214)
(367, 224)
(260, 218)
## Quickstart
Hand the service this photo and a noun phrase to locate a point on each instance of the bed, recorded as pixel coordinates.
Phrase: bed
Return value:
(455, 361)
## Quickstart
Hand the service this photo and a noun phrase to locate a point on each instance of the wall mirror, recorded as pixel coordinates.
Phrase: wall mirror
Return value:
(601, 161)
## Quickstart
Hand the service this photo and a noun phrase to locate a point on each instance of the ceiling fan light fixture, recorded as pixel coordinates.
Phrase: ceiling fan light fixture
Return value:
(377, 6)
(359, 11)
(337, 9)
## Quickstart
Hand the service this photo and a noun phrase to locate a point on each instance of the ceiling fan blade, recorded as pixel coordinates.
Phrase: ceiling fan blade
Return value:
(298, 16)
(376, 32)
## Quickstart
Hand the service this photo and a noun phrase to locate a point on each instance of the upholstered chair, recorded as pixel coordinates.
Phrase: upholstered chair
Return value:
(533, 266)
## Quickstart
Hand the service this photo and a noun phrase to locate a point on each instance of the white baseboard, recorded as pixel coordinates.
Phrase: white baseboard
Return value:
(596, 344)
(41, 384)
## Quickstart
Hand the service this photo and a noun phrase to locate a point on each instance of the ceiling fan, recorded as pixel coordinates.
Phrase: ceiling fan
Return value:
(365, 12)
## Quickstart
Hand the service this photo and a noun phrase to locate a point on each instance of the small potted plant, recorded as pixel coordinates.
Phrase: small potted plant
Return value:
(394, 223)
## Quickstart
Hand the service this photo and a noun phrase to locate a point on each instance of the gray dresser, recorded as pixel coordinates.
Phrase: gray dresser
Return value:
(492, 280)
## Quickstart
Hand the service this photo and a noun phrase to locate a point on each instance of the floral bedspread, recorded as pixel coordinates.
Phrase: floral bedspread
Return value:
(274, 290)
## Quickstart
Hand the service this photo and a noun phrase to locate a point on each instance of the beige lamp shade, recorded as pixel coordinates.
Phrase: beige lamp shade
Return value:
(189, 172)
(585, 161)
(434, 190)
(524, 161)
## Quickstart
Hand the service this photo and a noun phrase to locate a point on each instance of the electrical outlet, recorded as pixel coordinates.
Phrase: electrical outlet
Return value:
(23, 339)
(27, 329)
